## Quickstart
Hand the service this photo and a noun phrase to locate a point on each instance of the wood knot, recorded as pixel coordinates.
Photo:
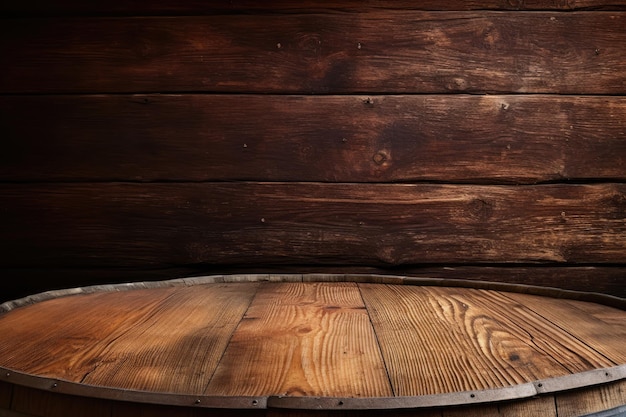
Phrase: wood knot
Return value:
(480, 209)
(380, 157)
(304, 330)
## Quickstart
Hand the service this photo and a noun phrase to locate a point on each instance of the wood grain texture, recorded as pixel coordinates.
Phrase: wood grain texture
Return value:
(376, 52)
(195, 322)
(581, 326)
(69, 349)
(437, 340)
(136, 342)
(173, 7)
(153, 225)
(335, 339)
(487, 139)
(602, 398)
(608, 316)
(303, 339)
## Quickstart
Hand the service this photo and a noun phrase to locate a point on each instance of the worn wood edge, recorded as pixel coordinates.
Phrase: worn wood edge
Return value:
(580, 379)
(119, 394)
(517, 392)
(553, 292)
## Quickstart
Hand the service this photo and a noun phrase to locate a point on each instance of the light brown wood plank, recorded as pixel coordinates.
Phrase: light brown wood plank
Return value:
(499, 139)
(611, 316)
(173, 7)
(604, 397)
(297, 339)
(375, 52)
(177, 348)
(605, 338)
(431, 344)
(437, 339)
(152, 225)
(45, 339)
(573, 354)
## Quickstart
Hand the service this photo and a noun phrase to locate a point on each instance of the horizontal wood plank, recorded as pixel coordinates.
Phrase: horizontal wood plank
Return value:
(193, 7)
(501, 139)
(152, 225)
(376, 52)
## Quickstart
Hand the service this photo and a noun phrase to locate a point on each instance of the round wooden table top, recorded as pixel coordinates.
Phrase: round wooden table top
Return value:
(297, 341)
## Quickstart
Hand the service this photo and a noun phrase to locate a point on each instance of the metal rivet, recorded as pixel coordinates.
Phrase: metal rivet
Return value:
(540, 385)
(473, 395)
(8, 374)
(198, 401)
(55, 385)
(255, 402)
(340, 403)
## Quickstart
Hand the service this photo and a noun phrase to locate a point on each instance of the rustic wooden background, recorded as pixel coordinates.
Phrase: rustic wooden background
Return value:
(481, 139)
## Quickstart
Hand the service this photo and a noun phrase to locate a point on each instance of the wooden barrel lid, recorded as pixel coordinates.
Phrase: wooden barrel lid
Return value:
(311, 342)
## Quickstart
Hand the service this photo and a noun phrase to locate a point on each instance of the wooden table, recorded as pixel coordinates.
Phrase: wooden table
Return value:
(294, 342)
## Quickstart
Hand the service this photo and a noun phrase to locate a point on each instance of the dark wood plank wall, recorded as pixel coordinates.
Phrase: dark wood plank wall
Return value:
(481, 139)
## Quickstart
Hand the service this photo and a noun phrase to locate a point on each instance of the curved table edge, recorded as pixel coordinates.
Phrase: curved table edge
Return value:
(599, 298)
(516, 392)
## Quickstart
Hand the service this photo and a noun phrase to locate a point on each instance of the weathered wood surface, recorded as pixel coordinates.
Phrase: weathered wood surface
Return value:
(585, 326)
(592, 310)
(376, 52)
(478, 139)
(427, 335)
(157, 334)
(173, 7)
(308, 223)
(196, 322)
(303, 339)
